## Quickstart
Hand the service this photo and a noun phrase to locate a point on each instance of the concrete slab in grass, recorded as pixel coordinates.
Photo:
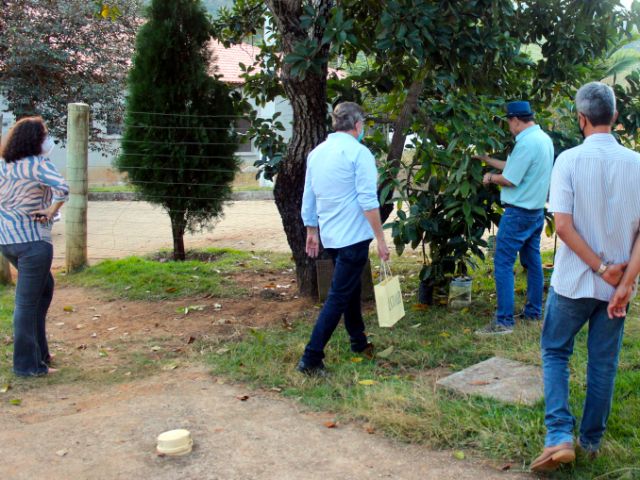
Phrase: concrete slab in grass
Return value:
(499, 378)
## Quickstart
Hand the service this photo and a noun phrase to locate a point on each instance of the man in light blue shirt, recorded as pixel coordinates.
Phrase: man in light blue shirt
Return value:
(525, 182)
(340, 204)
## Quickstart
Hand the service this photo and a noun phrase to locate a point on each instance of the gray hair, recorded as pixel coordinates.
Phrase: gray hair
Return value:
(597, 102)
(345, 116)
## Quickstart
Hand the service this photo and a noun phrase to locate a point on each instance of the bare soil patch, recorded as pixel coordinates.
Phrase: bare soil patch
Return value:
(102, 424)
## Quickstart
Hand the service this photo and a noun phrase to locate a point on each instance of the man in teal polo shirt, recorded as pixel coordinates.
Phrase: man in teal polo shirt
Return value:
(524, 183)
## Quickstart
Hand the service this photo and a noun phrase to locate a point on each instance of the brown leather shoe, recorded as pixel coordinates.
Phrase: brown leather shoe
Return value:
(552, 457)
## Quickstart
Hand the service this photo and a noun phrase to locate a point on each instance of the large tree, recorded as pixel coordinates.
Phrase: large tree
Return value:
(62, 51)
(433, 67)
(178, 147)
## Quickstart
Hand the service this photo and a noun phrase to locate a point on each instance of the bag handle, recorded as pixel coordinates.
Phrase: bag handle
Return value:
(385, 268)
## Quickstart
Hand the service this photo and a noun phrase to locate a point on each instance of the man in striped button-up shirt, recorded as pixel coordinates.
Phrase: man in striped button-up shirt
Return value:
(594, 197)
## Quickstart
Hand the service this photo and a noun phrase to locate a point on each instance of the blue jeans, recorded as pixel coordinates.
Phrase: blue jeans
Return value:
(564, 317)
(519, 231)
(343, 298)
(34, 292)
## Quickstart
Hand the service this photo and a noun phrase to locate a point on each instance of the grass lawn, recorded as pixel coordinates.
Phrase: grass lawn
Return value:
(155, 278)
(394, 395)
(398, 398)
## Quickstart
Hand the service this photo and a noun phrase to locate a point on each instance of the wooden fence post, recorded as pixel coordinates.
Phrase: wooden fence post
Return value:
(76, 208)
(5, 269)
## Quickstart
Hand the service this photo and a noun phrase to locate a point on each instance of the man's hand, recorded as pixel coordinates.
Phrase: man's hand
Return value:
(618, 304)
(313, 242)
(480, 157)
(383, 250)
(486, 180)
(614, 273)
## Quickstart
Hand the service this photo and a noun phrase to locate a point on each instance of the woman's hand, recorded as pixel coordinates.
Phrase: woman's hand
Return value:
(43, 215)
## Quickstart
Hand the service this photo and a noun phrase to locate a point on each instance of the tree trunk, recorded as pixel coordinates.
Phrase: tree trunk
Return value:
(404, 120)
(177, 230)
(308, 99)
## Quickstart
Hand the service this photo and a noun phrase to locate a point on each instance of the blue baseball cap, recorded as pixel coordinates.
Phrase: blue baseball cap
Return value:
(519, 108)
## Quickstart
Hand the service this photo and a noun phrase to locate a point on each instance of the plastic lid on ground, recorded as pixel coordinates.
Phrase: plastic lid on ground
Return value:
(175, 442)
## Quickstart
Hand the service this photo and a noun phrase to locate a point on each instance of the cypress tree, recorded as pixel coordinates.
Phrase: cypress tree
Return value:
(178, 146)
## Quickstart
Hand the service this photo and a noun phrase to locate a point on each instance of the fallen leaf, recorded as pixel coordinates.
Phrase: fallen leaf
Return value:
(385, 353)
(276, 389)
(156, 348)
(217, 306)
(479, 382)
(15, 401)
(330, 424)
(419, 307)
(367, 382)
(170, 366)
(67, 308)
(111, 329)
(466, 330)
(62, 453)
(369, 429)
(190, 340)
(79, 326)
(243, 398)
(59, 324)
(94, 335)
(459, 455)
(5, 388)
(102, 353)
(416, 325)
(506, 466)
(222, 351)
(356, 359)
(128, 287)
(82, 346)
(445, 334)
(170, 289)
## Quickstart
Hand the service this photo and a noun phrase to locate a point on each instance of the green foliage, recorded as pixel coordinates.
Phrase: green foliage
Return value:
(178, 147)
(468, 57)
(58, 52)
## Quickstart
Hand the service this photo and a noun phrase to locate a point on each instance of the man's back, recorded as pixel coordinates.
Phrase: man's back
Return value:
(597, 183)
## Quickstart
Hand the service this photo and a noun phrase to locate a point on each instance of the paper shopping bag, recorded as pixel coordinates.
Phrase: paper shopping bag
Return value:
(389, 303)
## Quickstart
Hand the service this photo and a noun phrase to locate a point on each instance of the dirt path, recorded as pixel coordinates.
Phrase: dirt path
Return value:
(120, 229)
(109, 433)
(131, 370)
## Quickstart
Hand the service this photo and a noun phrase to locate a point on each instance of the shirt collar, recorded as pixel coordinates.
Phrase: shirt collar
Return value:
(527, 131)
(600, 138)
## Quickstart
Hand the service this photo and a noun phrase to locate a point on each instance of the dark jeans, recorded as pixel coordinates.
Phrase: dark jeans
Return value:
(34, 292)
(343, 298)
(519, 231)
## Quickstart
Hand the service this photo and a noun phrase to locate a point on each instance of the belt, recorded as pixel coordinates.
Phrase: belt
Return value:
(508, 205)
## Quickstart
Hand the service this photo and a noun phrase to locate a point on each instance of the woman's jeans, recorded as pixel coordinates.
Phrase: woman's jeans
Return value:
(564, 318)
(519, 231)
(34, 292)
(343, 298)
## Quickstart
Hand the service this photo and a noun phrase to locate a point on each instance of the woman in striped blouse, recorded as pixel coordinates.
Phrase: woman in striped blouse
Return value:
(31, 193)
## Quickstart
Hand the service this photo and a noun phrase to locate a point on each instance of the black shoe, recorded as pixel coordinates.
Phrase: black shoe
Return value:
(311, 370)
(367, 352)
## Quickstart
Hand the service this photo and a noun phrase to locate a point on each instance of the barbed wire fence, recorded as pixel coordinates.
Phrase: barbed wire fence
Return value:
(138, 228)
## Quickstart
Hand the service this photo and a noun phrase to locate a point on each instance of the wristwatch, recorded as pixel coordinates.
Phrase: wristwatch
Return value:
(601, 269)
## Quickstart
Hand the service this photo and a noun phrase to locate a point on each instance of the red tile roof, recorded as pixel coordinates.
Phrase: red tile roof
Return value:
(226, 61)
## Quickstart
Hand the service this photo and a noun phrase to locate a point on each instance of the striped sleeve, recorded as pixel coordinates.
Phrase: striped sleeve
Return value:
(48, 175)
